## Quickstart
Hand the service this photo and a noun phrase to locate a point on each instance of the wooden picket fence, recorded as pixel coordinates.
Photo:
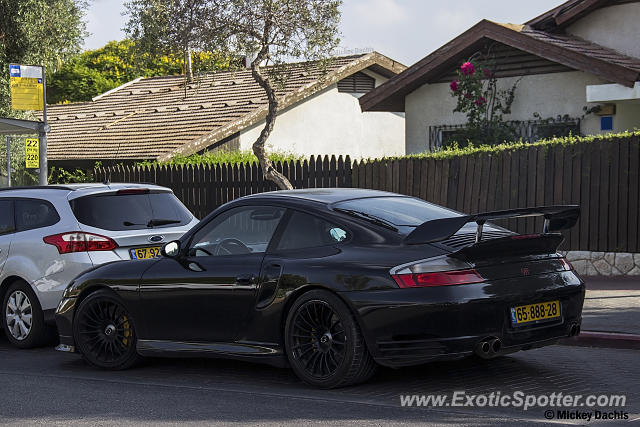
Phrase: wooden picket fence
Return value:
(601, 176)
(203, 188)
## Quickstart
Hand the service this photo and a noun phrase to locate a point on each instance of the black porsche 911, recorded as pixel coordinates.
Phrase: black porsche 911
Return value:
(333, 283)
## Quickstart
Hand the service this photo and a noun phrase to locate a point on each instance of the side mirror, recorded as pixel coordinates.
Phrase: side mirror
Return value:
(171, 249)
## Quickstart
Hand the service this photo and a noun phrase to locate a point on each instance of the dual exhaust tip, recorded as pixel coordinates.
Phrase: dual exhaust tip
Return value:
(574, 330)
(489, 348)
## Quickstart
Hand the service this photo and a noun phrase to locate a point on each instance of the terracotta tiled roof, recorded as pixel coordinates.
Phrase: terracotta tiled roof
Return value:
(567, 50)
(585, 47)
(156, 117)
(568, 12)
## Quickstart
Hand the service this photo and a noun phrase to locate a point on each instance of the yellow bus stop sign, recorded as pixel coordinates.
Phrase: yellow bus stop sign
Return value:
(32, 152)
(27, 88)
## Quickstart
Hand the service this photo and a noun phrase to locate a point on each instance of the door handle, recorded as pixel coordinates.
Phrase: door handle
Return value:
(245, 279)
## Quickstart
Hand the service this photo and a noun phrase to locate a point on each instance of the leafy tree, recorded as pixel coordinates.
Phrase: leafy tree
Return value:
(96, 71)
(277, 31)
(41, 32)
(270, 32)
(170, 27)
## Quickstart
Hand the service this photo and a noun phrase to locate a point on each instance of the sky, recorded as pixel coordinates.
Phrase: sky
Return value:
(404, 30)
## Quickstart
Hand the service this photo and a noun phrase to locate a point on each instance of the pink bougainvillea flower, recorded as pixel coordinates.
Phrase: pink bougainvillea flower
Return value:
(468, 69)
(467, 95)
(480, 101)
(487, 73)
(454, 86)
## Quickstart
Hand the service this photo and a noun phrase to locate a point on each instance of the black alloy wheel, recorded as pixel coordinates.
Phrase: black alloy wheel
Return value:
(319, 341)
(104, 333)
(324, 344)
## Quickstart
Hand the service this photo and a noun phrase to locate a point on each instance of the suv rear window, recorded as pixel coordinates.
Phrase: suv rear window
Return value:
(399, 211)
(139, 211)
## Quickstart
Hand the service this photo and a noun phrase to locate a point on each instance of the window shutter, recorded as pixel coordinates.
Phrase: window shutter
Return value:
(356, 83)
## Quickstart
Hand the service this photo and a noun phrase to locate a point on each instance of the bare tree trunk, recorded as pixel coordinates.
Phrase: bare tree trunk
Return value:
(187, 65)
(269, 171)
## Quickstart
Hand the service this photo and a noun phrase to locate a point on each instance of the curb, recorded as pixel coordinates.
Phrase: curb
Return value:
(603, 339)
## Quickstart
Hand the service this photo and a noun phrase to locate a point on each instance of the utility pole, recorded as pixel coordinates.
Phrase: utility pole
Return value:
(42, 135)
(8, 161)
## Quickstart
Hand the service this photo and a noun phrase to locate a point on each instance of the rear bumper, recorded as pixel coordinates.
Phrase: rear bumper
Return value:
(406, 327)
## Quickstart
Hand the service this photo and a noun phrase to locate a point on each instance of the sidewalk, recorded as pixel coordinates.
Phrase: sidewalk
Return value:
(611, 314)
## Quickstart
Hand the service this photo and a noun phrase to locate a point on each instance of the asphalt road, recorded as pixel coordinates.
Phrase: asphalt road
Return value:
(43, 387)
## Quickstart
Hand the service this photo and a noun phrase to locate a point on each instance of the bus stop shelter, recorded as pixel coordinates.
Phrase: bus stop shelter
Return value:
(10, 127)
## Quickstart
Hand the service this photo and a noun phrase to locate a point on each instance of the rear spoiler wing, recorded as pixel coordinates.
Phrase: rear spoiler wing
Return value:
(556, 218)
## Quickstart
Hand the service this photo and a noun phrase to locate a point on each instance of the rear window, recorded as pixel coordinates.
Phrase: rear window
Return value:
(130, 211)
(399, 211)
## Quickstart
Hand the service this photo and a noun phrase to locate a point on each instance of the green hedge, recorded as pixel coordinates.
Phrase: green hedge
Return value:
(238, 157)
(455, 151)
(220, 157)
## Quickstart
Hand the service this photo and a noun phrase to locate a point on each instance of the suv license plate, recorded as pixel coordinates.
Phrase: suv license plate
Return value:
(145, 253)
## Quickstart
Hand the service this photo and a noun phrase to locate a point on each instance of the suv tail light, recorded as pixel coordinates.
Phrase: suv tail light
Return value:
(78, 241)
(132, 191)
(439, 271)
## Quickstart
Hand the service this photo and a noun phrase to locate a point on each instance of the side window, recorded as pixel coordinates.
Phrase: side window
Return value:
(6, 217)
(34, 213)
(308, 231)
(238, 231)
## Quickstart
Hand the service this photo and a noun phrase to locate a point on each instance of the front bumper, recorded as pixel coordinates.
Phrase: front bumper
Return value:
(64, 322)
(406, 327)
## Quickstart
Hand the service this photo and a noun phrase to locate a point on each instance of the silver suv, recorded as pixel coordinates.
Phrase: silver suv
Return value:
(49, 235)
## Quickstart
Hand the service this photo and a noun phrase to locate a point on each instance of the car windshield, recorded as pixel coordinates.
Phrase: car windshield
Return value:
(130, 211)
(399, 211)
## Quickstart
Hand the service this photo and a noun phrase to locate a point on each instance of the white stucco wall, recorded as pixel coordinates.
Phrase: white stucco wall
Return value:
(549, 95)
(616, 27)
(627, 116)
(331, 122)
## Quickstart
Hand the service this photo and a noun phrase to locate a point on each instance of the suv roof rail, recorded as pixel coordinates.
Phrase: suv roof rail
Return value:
(38, 187)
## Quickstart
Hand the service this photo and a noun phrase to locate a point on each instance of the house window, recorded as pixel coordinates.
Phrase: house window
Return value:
(357, 83)
(606, 123)
(529, 131)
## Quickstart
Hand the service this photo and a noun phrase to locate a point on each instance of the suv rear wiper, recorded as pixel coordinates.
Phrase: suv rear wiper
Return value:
(153, 222)
(368, 217)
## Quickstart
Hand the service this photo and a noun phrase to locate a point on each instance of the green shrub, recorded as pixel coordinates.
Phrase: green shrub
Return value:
(220, 157)
(59, 175)
(455, 151)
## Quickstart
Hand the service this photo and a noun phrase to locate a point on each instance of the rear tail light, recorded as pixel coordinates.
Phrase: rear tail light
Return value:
(132, 191)
(78, 241)
(566, 265)
(442, 278)
(439, 271)
(525, 236)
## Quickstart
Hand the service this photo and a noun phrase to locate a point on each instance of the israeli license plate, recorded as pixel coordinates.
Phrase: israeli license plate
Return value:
(145, 253)
(535, 312)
